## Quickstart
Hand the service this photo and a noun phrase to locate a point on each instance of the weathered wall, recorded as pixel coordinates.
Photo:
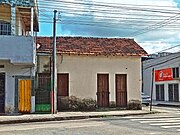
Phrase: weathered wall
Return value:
(17, 49)
(83, 72)
(10, 72)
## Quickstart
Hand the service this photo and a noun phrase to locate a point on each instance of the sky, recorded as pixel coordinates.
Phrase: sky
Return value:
(153, 24)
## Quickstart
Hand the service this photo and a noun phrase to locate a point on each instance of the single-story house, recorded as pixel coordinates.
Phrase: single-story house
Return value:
(105, 69)
(166, 79)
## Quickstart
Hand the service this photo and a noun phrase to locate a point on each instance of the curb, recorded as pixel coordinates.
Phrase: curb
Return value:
(69, 118)
(170, 105)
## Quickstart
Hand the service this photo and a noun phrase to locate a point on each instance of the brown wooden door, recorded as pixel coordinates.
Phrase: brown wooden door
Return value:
(62, 90)
(2, 92)
(121, 90)
(103, 90)
(63, 84)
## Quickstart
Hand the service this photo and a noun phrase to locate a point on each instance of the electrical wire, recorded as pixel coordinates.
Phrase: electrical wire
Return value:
(142, 31)
(141, 18)
(103, 5)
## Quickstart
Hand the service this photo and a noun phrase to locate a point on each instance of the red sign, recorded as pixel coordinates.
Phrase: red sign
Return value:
(163, 75)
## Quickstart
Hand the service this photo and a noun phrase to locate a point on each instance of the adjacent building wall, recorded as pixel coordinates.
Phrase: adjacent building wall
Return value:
(170, 61)
(11, 71)
(17, 49)
(83, 72)
(6, 14)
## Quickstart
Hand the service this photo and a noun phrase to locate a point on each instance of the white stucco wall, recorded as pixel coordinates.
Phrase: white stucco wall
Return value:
(83, 72)
(11, 71)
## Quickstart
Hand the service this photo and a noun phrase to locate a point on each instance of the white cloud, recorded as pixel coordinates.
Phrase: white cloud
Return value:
(152, 41)
(162, 37)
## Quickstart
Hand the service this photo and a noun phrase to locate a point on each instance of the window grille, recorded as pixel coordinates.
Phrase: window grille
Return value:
(175, 72)
(160, 92)
(5, 28)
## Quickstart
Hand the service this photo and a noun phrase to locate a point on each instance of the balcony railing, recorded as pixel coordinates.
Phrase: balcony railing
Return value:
(25, 3)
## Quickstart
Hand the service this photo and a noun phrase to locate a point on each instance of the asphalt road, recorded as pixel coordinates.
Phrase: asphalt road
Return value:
(156, 124)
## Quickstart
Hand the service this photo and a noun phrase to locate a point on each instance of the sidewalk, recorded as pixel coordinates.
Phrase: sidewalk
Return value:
(69, 116)
(166, 103)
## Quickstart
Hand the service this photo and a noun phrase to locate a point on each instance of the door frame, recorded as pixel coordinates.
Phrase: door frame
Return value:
(62, 95)
(67, 81)
(160, 93)
(105, 102)
(25, 88)
(173, 92)
(116, 91)
(3, 111)
(16, 98)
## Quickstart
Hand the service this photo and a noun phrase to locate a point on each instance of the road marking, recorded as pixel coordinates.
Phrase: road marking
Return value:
(175, 126)
(160, 121)
(85, 126)
(156, 119)
(178, 130)
(164, 124)
(133, 118)
(154, 133)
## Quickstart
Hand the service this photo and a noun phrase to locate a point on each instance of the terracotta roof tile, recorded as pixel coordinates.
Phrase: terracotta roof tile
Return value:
(91, 46)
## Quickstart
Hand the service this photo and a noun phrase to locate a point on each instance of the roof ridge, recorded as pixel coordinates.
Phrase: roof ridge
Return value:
(87, 37)
(92, 46)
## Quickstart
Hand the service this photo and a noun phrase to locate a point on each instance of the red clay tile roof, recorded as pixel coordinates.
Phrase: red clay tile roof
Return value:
(91, 46)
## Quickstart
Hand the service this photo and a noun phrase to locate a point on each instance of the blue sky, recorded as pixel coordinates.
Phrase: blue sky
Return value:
(152, 41)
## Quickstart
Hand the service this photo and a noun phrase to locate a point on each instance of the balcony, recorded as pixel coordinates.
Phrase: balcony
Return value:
(24, 3)
(20, 50)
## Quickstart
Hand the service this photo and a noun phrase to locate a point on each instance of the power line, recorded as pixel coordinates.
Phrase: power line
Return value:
(161, 62)
(119, 22)
(113, 21)
(168, 48)
(154, 26)
(112, 6)
(143, 5)
(106, 10)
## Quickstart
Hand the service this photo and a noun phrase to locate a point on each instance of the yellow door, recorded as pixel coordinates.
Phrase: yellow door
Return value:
(24, 96)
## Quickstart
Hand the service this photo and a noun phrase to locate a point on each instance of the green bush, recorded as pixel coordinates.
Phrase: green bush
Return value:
(112, 104)
(63, 103)
(134, 105)
(73, 103)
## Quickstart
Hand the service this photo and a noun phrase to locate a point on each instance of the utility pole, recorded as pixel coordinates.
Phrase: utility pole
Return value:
(152, 88)
(54, 66)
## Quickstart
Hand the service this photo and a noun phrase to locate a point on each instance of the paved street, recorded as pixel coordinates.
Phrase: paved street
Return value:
(156, 124)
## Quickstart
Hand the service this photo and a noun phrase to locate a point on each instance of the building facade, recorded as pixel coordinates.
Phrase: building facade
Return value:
(165, 78)
(18, 24)
(105, 69)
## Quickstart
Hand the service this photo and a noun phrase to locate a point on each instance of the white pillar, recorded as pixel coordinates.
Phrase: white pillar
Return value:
(166, 95)
(13, 19)
(32, 20)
